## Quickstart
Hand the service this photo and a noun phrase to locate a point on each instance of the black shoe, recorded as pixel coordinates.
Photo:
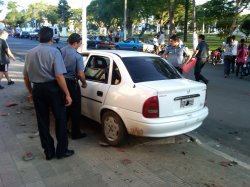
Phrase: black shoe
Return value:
(1, 87)
(50, 156)
(11, 82)
(79, 136)
(68, 153)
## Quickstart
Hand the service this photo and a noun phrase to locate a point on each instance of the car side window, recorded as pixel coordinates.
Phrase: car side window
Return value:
(97, 69)
(116, 75)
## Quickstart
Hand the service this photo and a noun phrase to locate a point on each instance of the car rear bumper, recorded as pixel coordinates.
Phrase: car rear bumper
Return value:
(168, 126)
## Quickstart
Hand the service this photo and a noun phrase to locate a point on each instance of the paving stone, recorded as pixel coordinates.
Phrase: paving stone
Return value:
(45, 170)
(29, 175)
(12, 179)
(36, 184)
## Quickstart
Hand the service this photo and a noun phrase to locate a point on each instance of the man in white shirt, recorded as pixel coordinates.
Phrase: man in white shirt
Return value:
(235, 46)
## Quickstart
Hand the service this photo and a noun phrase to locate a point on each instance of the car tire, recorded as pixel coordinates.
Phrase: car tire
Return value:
(57, 40)
(134, 48)
(114, 130)
(117, 47)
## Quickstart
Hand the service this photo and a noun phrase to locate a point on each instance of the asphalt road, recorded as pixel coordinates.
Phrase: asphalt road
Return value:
(228, 99)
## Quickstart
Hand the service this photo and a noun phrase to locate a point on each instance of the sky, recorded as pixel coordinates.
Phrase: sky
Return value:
(24, 4)
(72, 3)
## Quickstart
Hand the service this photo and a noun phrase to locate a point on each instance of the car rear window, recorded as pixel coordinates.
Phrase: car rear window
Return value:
(143, 69)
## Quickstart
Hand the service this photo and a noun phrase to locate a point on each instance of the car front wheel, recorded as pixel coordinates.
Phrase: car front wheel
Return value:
(113, 128)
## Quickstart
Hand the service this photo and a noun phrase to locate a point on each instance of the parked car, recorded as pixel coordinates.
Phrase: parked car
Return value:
(139, 94)
(100, 42)
(56, 34)
(135, 44)
(24, 34)
(34, 34)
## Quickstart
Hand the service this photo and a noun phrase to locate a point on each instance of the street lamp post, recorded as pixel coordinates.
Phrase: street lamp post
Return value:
(125, 19)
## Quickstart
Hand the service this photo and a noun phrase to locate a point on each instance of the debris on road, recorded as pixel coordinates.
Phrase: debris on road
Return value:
(10, 104)
(104, 144)
(4, 114)
(126, 161)
(228, 163)
(28, 156)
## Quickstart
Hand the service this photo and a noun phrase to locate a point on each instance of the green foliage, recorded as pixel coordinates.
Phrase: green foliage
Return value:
(13, 15)
(245, 27)
(76, 19)
(52, 15)
(63, 12)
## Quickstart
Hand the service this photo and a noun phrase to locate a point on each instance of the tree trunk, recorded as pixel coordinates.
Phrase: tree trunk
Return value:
(171, 10)
(186, 20)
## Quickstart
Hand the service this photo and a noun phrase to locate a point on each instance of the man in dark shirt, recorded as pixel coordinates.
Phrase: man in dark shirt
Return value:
(202, 54)
(5, 53)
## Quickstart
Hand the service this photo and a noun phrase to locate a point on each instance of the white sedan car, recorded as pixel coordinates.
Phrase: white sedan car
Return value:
(140, 94)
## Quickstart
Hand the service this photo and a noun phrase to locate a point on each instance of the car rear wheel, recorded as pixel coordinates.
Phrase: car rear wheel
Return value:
(114, 130)
(117, 47)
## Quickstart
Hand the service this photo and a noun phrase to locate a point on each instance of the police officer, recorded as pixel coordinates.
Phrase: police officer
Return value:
(44, 67)
(175, 53)
(74, 66)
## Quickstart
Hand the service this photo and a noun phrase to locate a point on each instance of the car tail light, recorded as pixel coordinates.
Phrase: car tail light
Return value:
(151, 108)
(112, 43)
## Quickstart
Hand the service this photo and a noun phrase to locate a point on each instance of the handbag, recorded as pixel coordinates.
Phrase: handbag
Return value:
(188, 66)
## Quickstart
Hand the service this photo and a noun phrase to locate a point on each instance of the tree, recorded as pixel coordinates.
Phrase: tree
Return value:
(52, 15)
(245, 27)
(1, 3)
(63, 12)
(13, 14)
(76, 19)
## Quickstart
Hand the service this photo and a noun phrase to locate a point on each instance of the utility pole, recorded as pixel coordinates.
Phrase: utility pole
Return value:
(84, 25)
(125, 19)
(195, 38)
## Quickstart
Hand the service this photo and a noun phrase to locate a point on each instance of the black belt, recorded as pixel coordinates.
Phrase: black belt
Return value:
(49, 82)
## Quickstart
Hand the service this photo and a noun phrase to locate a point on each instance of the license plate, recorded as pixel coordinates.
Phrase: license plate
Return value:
(187, 102)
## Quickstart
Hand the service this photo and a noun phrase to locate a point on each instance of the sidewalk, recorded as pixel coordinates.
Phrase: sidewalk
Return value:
(142, 162)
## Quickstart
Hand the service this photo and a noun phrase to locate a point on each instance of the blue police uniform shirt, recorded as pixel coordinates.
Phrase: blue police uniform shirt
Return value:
(43, 63)
(175, 54)
(73, 62)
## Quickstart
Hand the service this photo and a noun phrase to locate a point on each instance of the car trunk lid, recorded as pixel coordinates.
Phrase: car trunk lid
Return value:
(178, 96)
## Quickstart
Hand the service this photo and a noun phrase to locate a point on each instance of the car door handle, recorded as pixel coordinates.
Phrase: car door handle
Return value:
(99, 93)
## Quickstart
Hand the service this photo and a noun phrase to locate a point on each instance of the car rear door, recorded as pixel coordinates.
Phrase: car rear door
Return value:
(97, 73)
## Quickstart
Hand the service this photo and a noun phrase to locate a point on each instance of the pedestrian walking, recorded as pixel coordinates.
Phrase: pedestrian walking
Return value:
(156, 44)
(175, 53)
(228, 56)
(117, 36)
(202, 55)
(74, 66)
(234, 52)
(5, 53)
(241, 58)
(44, 68)
(161, 41)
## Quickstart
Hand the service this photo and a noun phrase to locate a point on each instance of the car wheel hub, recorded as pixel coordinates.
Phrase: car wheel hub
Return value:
(111, 129)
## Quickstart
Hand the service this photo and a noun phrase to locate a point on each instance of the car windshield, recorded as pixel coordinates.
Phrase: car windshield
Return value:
(143, 69)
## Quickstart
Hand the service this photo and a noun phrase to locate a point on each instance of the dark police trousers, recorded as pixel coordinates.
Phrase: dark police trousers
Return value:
(74, 110)
(48, 96)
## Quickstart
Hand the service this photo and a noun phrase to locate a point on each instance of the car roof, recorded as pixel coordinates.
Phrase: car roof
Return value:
(121, 53)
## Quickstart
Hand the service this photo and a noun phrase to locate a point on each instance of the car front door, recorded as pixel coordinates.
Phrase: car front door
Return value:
(97, 73)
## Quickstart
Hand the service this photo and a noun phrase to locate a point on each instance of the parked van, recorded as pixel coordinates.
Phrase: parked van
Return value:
(56, 34)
